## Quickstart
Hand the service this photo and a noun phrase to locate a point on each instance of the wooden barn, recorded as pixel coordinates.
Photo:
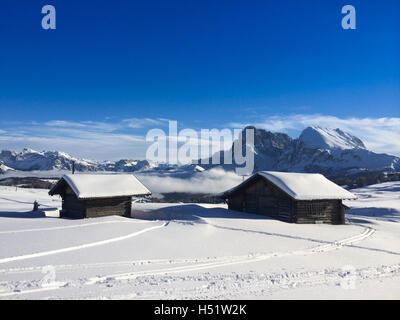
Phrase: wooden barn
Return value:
(95, 195)
(291, 197)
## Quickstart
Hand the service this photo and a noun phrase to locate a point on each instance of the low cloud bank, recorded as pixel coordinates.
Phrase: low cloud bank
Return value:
(211, 181)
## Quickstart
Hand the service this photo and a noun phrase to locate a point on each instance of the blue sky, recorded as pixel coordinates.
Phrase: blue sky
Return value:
(114, 69)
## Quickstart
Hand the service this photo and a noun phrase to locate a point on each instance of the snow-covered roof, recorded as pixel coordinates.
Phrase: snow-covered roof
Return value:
(301, 186)
(89, 186)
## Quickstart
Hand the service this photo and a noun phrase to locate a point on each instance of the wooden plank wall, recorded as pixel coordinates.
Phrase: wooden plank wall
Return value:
(236, 202)
(107, 207)
(324, 211)
(73, 207)
(264, 198)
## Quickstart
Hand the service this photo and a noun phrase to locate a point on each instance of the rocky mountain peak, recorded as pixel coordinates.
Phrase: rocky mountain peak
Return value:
(325, 138)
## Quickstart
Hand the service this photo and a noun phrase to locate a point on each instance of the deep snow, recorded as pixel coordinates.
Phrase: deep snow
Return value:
(177, 251)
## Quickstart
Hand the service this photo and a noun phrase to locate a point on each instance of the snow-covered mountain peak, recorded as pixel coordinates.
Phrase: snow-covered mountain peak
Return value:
(325, 138)
(4, 168)
(328, 151)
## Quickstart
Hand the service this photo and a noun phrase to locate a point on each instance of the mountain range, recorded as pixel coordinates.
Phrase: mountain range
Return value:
(328, 151)
(323, 150)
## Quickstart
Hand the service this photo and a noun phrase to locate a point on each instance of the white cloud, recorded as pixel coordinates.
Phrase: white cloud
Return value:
(102, 140)
(210, 181)
(86, 139)
(137, 123)
(96, 147)
(132, 123)
(87, 125)
(378, 134)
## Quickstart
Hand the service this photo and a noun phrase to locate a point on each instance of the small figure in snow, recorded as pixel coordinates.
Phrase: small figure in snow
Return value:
(35, 206)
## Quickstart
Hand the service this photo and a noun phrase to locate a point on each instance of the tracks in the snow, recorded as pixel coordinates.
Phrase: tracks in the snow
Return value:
(368, 231)
(83, 225)
(236, 260)
(326, 245)
(195, 266)
(79, 247)
(236, 285)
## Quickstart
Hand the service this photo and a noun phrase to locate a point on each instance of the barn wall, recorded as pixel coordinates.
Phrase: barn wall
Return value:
(236, 202)
(326, 211)
(108, 206)
(264, 198)
(72, 207)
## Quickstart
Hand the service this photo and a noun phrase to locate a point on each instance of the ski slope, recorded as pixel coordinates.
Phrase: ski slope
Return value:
(190, 251)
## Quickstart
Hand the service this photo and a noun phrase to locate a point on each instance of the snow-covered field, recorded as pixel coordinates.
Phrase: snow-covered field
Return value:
(198, 251)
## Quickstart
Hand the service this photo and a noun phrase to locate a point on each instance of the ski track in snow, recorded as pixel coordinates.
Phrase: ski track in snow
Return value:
(323, 248)
(66, 267)
(8, 294)
(220, 286)
(228, 261)
(367, 232)
(79, 247)
(68, 227)
(231, 286)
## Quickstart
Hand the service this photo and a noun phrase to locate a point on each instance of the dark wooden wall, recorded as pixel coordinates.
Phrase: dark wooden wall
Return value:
(72, 207)
(261, 197)
(108, 207)
(324, 211)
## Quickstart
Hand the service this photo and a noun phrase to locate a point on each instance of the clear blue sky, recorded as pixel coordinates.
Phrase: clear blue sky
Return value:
(203, 63)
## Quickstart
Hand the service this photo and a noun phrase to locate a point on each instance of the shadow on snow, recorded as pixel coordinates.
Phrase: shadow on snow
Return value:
(28, 214)
(192, 212)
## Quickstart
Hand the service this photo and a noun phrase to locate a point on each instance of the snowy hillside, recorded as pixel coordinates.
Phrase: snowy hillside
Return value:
(225, 254)
(30, 160)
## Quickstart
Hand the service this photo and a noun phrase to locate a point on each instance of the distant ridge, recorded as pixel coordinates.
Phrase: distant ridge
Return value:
(321, 150)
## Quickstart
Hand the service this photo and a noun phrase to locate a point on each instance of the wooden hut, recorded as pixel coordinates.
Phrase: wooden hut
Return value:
(291, 197)
(95, 195)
